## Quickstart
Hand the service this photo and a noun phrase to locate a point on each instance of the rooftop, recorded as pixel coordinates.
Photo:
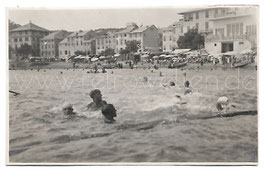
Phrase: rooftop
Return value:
(142, 29)
(30, 27)
(52, 35)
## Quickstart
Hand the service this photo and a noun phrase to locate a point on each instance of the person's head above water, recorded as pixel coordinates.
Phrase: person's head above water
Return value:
(68, 109)
(186, 84)
(109, 112)
(172, 83)
(96, 95)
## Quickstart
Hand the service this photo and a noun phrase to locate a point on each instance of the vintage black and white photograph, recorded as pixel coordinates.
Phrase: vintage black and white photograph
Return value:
(121, 86)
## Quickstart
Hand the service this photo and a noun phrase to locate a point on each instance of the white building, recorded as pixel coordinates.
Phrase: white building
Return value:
(76, 41)
(170, 35)
(234, 29)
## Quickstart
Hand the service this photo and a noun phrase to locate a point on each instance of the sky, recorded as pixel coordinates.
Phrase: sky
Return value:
(86, 19)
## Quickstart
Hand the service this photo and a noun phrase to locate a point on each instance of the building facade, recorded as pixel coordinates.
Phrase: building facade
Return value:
(105, 39)
(123, 35)
(49, 45)
(235, 29)
(170, 36)
(76, 41)
(148, 38)
(29, 34)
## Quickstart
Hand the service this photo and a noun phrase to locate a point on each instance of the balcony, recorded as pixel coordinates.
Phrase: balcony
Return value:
(206, 31)
(231, 14)
(215, 38)
(228, 14)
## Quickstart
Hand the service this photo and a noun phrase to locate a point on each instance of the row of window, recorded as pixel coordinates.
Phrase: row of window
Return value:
(21, 39)
(170, 38)
(190, 16)
(234, 29)
(47, 53)
(65, 52)
(77, 43)
(47, 46)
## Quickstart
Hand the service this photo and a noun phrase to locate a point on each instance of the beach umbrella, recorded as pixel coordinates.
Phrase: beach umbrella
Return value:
(230, 53)
(246, 51)
(145, 56)
(102, 57)
(94, 59)
(163, 55)
(116, 55)
(169, 56)
(155, 57)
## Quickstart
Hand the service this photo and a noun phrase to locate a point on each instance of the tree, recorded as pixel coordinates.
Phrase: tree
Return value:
(25, 50)
(131, 47)
(108, 52)
(191, 40)
(12, 25)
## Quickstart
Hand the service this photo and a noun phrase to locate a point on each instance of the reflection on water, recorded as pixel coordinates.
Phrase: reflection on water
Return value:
(152, 125)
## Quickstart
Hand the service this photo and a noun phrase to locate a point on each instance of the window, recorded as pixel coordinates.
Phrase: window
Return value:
(15, 39)
(216, 11)
(181, 29)
(215, 45)
(20, 39)
(65, 52)
(164, 48)
(241, 29)
(188, 28)
(197, 15)
(197, 26)
(228, 29)
(170, 38)
(207, 14)
(26, 39)
(80, 42)
(164, 38)
(241, 43)
(125, 35)
(206, 25)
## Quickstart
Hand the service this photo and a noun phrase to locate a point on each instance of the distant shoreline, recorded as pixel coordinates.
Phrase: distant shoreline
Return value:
(69, 65)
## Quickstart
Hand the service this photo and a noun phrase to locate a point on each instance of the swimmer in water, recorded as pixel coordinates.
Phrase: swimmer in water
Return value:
(109, 112)
(97, 100)
(171, 84)
(222, 103)
(145, 79)
(68, 111)
(187, 88)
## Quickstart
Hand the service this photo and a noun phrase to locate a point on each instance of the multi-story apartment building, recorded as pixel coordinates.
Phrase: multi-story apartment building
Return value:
(105, 38)
(77, 41)
(147, 36)
(170, 36)
(29, 34)
(49, 44)
(234, 29)
(199, 19)
(123, 35)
